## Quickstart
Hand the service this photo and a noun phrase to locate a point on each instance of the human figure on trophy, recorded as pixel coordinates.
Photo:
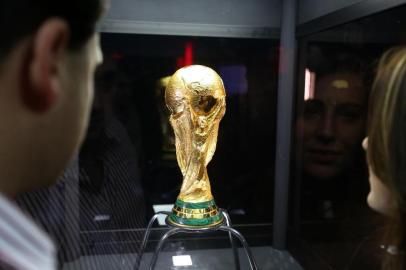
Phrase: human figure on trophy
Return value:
(195, 97)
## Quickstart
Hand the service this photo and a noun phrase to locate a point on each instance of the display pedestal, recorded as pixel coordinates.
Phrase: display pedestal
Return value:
(224, 226)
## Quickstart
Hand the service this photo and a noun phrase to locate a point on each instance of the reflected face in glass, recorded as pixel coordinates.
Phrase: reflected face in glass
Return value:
(331, 126)
(379, 196)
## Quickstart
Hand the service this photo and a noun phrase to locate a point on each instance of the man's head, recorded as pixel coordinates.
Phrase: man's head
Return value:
(47, 61)
(332, 125)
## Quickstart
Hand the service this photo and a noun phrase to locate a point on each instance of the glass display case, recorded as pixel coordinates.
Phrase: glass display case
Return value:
(127, 168)
(329, 211)
(138, 165)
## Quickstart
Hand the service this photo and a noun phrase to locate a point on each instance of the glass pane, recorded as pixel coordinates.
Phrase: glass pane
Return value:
(142, 65)
(336, 228)
(127, 168)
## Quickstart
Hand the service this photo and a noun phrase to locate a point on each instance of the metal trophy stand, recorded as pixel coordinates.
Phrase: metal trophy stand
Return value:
(223, 226)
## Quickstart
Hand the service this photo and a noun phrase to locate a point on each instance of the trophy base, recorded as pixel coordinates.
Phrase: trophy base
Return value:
(195, 215)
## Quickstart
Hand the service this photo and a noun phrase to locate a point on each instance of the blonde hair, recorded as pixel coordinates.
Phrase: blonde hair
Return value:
(387, 142)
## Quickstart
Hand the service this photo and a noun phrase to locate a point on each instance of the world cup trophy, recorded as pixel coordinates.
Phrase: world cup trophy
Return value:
(195, 96)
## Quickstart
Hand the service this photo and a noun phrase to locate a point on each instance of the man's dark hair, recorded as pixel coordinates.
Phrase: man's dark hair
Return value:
(325, 58)
(21, 18)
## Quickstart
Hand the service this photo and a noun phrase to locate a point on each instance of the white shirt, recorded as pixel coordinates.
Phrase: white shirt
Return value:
(22, 244)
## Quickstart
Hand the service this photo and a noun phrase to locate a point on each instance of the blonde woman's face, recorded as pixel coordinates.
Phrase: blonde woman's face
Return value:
(379, 197)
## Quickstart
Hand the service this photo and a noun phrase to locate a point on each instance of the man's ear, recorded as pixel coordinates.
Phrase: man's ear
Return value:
(43, 85)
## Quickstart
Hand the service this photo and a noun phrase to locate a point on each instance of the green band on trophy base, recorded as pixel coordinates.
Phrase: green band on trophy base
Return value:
(187, 214)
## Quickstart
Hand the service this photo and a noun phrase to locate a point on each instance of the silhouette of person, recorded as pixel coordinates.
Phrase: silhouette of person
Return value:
(111, 193)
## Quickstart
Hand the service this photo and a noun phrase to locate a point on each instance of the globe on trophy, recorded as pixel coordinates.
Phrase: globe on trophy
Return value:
(195, 96)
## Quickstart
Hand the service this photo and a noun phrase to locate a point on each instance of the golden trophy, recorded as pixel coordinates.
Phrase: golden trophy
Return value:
(195, 96)
(196, 99)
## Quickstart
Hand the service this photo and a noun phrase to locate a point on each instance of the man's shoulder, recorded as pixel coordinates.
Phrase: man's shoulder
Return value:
(23, 245)
(5, 266)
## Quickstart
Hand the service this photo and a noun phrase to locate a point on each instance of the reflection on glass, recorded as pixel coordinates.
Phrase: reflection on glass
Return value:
(310, 78)
(330, 130)
(168, 137)
(331, 178)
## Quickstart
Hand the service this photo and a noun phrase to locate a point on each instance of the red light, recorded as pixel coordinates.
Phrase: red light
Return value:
(187, 58)
(188, 54)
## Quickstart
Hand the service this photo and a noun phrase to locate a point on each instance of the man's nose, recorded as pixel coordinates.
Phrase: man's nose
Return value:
(326, 131)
